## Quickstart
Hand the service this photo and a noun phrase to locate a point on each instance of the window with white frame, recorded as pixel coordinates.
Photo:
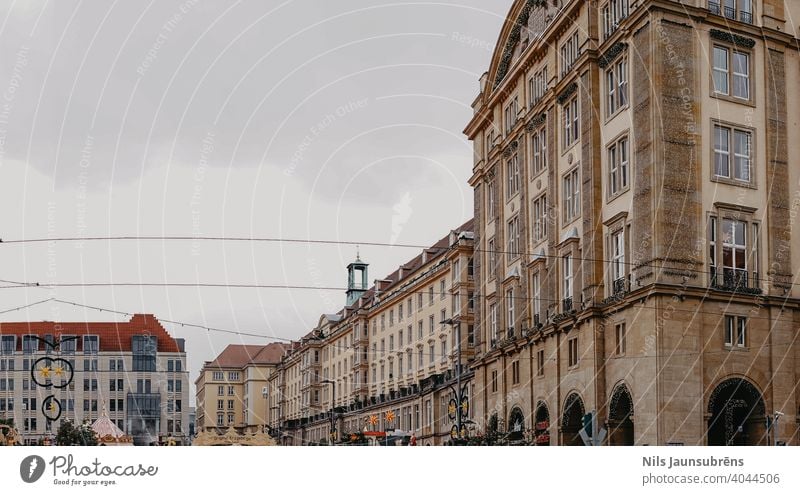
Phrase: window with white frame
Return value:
(737, 10)
(538, 151)
(566, 285)
(732, 153)
(571, 119)
(491, 255)
(491, 199)
(620, 335)
(537, 85)
(511, 113)
(618, 261)
(735, 331)
(539, 207)
(512, 176)
(618, 169)
(614, 12)
(510, 315)
(570, 52)
(513, 237)
(731, 72)
(572, 196)
(490, 136)
(734, 252)
(536, 290)
(493, 322)
(616, 86)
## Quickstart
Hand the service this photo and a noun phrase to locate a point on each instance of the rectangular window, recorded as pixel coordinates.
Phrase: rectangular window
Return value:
(731, 72)
(536, 290)
(572, 196)
(539, 219)
(430, 325)
(493, 323)
(30, 344)
(614, 12)
(618, 262)
(539, 152)
(735, 331)
(515, 372)
(442, 289)
(616, 87)
(567, 282)
(512, 176)
(91, 344)
(618, 167)
(494, 380)
(537, 85)
(727, 139)
(573, 352)
(510, 315)
(430, 296)
(419, 329)
(491, 258)
(540, 363)
(513, 238)
(219, 376)
(734, 253)
(491, 198)
(570, 52)
(620, 332)
(511, 113)
(8, 344)
(431, 354)
(571, 121)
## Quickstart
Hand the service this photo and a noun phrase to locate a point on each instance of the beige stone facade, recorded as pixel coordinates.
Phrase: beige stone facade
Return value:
(387, 361)
(635, 201)
(232, 390)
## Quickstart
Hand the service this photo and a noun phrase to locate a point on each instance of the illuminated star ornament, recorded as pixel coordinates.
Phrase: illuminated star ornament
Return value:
(52, 406)
(373, 420)
(390, 416)
(59, 371)
(45, 372)
(451, 408)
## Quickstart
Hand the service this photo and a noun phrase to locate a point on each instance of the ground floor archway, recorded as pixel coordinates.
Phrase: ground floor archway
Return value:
(572, 420)
(736, 414)
(516, 425)
(620, 416)
(541, 424)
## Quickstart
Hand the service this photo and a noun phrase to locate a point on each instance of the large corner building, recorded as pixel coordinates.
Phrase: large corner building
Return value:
(636, 203)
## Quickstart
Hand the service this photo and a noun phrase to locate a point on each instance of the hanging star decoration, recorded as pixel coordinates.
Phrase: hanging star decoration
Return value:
(52, 406)
(390, 416)
(373, 420)
(451, 408)
(45, 372)
(59, 370)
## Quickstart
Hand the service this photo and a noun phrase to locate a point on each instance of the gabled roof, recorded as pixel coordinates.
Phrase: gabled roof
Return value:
(114, 336)
(240, 355)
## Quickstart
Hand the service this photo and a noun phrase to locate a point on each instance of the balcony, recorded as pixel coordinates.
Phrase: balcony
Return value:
(730, 12)
(734, 280)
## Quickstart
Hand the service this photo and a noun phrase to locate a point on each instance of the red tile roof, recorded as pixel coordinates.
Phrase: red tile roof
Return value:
(114, 336)
(238, 355)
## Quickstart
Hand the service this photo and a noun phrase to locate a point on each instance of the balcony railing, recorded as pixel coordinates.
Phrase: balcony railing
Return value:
(734, 280)
(716, 8)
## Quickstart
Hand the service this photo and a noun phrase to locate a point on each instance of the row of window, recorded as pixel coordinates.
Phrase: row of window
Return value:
(219, 376)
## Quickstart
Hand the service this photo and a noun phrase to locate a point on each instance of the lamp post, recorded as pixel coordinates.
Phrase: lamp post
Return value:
(333, 408)
(458, 392)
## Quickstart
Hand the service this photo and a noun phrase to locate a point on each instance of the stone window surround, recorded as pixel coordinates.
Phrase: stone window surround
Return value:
(626, 134)
(753, 184)
(613, 225)
(727, 211)
(731, 47)
(569, 247)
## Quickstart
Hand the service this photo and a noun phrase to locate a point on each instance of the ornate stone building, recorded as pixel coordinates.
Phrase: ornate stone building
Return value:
(387, 362)
(635, 202)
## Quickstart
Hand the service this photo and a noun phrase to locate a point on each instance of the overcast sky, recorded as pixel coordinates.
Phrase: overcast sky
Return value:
(295, 119)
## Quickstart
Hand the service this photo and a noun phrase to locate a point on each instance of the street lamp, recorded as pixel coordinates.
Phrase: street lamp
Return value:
(458, 392)
(333, 408)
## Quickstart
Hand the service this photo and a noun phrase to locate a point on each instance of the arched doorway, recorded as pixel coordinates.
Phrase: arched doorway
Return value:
(572, 420)
(620, 416)
(516, 425)
(737, 414)
(541, 425)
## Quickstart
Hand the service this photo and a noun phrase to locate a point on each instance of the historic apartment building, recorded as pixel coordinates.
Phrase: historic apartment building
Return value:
(134, 370)
(386, 364)
(232, 389)
(635, 209)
